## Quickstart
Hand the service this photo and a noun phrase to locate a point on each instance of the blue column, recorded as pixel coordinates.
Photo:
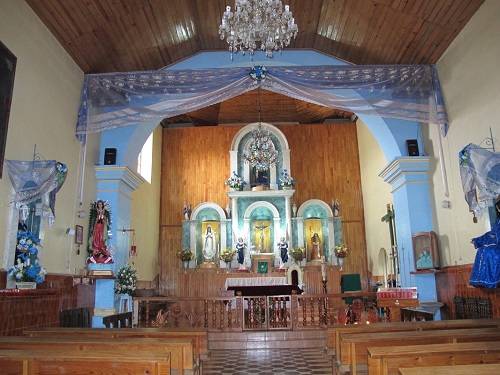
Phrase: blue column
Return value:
(410, 181)
(115, 184)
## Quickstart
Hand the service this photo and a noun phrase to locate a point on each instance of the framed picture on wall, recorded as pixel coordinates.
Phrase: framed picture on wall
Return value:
(7, 71)
(425, 251)
(78, 234)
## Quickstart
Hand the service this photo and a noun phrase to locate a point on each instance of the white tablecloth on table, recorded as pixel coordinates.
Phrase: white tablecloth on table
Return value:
(255, 281)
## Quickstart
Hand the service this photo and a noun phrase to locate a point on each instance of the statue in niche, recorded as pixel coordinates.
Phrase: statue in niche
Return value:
(283, 248)
(316, 247)
(259, 177)
(209, 245)
(100, 224)
(240, 249)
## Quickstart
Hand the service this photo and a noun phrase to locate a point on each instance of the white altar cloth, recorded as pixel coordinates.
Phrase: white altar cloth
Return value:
(255, 281)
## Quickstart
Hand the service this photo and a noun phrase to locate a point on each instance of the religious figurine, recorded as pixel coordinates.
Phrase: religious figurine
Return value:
(283, 248)
(486, 269)
(100, 223)
(186, 210)
(294, 209)
(209, 246)
(228, 211)
(261, 228)
(336, 208)
(240, 249)
(316, 249)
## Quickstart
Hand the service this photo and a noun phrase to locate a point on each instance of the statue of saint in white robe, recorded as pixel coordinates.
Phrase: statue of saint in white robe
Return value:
(209, 246)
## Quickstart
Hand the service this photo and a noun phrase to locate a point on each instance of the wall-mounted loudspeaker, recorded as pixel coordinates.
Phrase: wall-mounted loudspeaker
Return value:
(109, 156)
(412, 146)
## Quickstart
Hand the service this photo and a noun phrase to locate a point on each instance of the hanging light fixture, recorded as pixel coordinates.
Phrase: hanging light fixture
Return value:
(258, 24)
(261, 151)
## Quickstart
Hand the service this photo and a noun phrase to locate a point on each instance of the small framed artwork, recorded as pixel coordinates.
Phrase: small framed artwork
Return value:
(78, 234)
(425, 251)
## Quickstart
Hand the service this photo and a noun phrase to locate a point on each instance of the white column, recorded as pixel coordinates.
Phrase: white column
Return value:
(288, 221)
(192, 237)
(331, 239)
(223, 238)
(273, 181)
(300, 232)
(233, 162)
(246, 232)
(235, 217)
(277, 230)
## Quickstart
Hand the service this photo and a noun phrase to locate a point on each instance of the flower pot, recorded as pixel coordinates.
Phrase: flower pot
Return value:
(25, 285)
(287, 187)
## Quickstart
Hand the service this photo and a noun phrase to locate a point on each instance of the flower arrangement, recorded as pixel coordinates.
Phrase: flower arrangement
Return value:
(126, 280)
(235, 182)
(227, 255)
(286, 180)
(185, 255)
(341, 250)
(297, 254)
(27, 267)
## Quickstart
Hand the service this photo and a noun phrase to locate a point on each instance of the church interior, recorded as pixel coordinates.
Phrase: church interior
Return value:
(249, 186)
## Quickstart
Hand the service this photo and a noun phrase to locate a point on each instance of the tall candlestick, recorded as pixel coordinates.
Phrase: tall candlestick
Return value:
(323, 269)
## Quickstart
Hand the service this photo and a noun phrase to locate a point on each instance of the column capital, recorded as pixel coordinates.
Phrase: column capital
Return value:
(403, 169)
(119, 174)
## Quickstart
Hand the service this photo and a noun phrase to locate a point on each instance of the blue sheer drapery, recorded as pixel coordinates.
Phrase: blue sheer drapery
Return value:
(407, 92)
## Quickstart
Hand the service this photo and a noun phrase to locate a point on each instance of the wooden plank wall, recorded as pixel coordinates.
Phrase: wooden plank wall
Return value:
(324, 161)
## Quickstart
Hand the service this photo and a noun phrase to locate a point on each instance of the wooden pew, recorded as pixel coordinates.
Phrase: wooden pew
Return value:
(48, 362)
(334, 333)
(180, 350)
(353, 346)
(482, 369)
(200, 341)
(388, 360)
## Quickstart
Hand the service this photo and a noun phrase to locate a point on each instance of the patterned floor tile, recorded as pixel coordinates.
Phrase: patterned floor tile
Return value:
(268, 362)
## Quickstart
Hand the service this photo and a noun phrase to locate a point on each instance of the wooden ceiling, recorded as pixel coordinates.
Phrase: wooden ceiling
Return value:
(127, 35)
(274, 108)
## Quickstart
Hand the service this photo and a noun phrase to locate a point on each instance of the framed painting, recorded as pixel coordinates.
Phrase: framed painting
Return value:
(78, 234)
(7, 71)
(425, 251)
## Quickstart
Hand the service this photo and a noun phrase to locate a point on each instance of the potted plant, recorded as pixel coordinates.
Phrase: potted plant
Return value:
(286, 181)
(27, 270)
(228, 256)
(235, 182)
(297, 254)
(341, 251)
(185, 256)
(126, 280)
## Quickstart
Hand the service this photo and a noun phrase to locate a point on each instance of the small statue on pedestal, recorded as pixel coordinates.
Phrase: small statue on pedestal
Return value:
(336, 208)
(209, 246)
(186, 210)
(283, 248)
(240, 249)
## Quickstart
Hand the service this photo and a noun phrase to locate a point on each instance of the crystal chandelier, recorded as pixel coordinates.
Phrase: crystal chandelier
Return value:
(261, 151)
(258, 24)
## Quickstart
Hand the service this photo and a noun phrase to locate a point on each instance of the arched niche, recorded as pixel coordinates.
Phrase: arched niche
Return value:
(257, 211)
(240, 145)
(207, 212)
(294, 267)
(317, 209)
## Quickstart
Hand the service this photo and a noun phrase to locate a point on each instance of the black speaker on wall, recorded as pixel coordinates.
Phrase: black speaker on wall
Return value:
(412, 146)
(109, 156)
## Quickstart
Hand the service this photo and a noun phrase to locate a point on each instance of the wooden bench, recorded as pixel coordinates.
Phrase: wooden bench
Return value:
(483, 369)
(123, 320)
(199, 338)
(179, 350)
(353, 346)
(49, 362)
(334, 333)
(388, 360)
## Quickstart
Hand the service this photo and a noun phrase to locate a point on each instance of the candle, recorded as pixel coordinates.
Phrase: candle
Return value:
(323, 270)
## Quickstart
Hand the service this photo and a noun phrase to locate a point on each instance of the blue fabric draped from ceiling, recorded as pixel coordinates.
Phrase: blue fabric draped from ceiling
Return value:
(113, 100)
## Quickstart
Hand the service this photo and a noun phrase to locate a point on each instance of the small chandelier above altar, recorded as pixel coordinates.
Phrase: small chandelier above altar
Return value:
(258, 24)
(261, 151)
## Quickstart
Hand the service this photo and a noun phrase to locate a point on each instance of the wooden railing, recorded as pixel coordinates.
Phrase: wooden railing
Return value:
(288, 312)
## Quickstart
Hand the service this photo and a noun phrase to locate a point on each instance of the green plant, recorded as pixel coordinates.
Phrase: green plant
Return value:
(185, 255)
(227, 255)
(126, 280)
(297, 254)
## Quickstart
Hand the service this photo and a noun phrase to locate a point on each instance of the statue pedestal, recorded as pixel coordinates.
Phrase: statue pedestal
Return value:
(262, 262)
(104, 304)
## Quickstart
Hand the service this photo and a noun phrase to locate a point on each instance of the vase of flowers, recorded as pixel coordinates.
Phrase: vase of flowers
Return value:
(341, 251)
(286, 181)
(185, 255)
(235, 182)
(228, 256)
(126, 280)
(297, 254)
(27, 271)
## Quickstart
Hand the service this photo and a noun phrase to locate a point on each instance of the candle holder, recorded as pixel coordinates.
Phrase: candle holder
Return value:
(324, 317)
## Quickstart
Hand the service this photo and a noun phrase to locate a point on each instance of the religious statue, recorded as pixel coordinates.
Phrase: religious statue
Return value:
(100, 223)
(283, 248)
(186, 210)
(316, 247)
(209, 246)
(336, 208)
(240, 249)
(261, 228)
(486, 270)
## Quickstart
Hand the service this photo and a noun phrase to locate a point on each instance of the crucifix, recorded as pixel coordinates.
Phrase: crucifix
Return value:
(261, 228)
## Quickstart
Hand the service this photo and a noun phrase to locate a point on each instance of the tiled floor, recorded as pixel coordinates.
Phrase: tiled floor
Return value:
(268, 362)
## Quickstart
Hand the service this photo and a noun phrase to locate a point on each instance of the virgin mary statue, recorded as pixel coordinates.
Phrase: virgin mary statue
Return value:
(209, 245)
(100, 222)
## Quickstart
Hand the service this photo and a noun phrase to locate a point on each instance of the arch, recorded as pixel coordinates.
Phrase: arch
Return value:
(255, 205)
(250, 127)
(212, 205)
(312, 202)
(295, 267)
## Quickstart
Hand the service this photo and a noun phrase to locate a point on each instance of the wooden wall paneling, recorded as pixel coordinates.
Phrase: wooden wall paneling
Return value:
(195, 163)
